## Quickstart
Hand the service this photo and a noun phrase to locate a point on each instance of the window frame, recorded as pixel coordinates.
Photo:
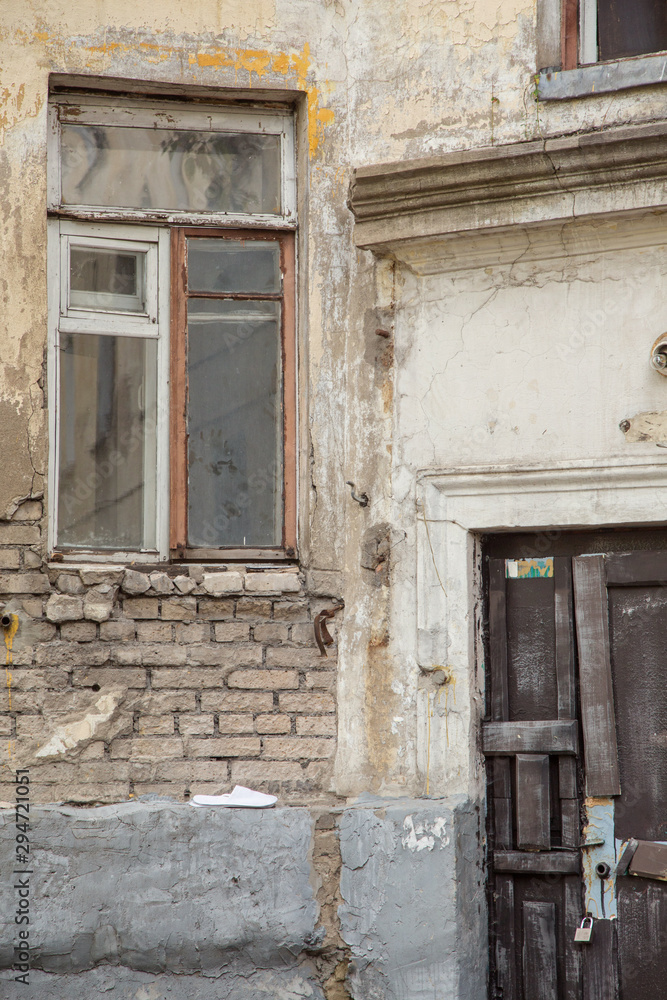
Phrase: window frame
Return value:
(179, 549)
(87, 109)
(152, 327)
(161, 228)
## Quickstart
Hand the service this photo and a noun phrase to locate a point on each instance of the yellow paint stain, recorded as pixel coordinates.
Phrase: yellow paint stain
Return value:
(257, 63)
(151, 49)
(450, 685)
(429, 716)
(9, 633)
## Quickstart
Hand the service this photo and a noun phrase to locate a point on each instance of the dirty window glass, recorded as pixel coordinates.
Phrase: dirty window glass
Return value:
(234, 266)
(234, 423)
(144, 168)
(106, 279)
(107, 463)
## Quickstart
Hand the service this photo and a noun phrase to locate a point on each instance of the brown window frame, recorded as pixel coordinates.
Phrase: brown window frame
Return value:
(570, 34)
(179, 549)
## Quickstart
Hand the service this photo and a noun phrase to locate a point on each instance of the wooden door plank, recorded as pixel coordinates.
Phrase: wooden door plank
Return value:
(178, 407)
(649, 860)
(642, 927)
(572, 912)
(499, 707)
(600, 963)
(569, 811)
(533, 802)
(540, 968)
(597, 698)
(567, 777)
(505, 951)
(501, 788)
(537, 862)
(564, 617)
(502, 823)
(552, 736)
(636, 569)
(569, 34)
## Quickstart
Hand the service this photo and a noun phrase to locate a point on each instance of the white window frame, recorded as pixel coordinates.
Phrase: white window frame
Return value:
(154, 325)
(93, 110)
(588, 32)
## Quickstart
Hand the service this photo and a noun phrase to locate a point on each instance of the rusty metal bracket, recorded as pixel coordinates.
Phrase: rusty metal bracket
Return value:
(322, 636)
(361, 498)
(627, 856)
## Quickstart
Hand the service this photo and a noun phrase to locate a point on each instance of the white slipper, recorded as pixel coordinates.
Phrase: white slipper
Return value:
(239, 798)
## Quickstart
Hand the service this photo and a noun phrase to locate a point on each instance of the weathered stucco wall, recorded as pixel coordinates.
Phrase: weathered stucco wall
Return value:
(190, 686)
(410, 80)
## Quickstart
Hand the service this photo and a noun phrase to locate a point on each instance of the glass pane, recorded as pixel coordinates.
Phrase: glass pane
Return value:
(107, 442)
(234, 423)
(233, 266)
(106, 279)
(160, 168)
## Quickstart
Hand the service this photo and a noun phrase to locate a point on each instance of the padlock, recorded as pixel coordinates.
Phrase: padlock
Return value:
(584, 931)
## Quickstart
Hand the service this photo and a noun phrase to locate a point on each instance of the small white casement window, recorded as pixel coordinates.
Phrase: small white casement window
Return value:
(109, 362)
(172, 366)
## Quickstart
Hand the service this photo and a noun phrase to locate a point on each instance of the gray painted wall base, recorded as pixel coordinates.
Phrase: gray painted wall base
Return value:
(409, 895)
(128, 984)
(151, 900)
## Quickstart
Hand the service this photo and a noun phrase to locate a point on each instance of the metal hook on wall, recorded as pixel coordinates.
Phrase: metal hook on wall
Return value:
(323, 637)
(361, 498)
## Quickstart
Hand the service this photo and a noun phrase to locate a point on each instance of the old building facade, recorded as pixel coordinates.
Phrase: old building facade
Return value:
(348, 316)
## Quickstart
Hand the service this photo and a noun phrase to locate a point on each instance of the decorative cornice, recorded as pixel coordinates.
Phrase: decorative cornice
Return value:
(499, 188)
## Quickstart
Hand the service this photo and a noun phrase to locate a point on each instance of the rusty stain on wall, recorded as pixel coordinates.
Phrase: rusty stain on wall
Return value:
(382, 704)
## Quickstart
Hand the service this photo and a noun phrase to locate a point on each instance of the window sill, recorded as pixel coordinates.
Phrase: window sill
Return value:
(197, 580)
(601, 78)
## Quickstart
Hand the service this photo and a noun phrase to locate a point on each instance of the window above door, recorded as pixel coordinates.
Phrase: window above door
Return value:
(172, 362)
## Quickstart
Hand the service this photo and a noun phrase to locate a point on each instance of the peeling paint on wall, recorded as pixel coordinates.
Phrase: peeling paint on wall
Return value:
(257, 64)
(70, 735)
(599, 848)
(648, 426)
(424, 834)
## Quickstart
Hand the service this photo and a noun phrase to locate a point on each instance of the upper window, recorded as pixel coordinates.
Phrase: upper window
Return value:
(612, 29)
(173, 352)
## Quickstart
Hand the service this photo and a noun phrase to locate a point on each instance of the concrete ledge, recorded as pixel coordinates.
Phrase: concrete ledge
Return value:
(486, 191)
(601, 78)
(158, 887)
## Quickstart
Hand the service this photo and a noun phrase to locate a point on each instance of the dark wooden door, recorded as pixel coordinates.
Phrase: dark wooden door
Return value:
(576, 745)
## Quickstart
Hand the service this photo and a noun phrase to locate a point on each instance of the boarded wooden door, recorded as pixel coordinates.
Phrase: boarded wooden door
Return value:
(576, 740)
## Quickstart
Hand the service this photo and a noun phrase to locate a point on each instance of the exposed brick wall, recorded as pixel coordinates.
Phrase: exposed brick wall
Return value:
(170, 681)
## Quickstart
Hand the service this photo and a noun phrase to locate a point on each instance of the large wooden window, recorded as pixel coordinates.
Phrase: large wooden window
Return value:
(172, 365)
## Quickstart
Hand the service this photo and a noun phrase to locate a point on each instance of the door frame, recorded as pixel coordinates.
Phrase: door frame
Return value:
(454, 509)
